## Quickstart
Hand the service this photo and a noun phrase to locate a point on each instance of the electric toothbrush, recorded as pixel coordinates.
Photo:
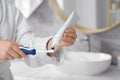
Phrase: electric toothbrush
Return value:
(32, 51)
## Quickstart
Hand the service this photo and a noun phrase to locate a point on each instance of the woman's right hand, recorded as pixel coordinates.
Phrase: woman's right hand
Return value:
(10, 50)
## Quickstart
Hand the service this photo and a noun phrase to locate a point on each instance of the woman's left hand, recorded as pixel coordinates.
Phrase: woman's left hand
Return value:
(69, 37)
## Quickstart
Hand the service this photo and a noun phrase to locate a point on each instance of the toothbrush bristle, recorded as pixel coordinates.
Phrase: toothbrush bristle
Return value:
(52, 47)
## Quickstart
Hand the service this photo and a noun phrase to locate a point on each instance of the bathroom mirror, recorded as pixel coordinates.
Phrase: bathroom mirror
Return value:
(96, 16)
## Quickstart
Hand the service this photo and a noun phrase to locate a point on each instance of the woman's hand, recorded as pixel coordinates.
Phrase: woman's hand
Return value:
(10, 50)
(69, 37)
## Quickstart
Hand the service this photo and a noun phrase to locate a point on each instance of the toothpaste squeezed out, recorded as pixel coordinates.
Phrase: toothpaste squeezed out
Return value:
(70, 22)
(46, 51)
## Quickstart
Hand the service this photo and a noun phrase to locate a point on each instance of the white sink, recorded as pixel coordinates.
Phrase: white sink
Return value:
(88, 63)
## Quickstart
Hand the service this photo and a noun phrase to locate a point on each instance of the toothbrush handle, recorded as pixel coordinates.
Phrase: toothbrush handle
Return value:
(28, 51)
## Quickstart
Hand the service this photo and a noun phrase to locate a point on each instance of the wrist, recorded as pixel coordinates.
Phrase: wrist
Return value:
(48, 47)
(56, 48)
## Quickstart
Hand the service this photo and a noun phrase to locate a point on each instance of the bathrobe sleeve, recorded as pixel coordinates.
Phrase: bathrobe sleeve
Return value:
(13, 26)
(26, 37)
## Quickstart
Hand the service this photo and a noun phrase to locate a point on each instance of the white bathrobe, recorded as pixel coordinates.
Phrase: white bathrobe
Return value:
(13, 26)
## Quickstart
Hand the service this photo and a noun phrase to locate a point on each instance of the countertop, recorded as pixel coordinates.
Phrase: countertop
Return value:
(49, 72)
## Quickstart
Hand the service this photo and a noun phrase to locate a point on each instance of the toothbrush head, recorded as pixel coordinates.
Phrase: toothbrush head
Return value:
(52, 47)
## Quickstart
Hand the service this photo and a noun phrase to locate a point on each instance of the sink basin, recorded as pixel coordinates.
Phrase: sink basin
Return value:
(88, 63)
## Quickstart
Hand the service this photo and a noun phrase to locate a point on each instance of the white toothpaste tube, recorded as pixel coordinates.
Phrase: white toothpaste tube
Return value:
(70, 22)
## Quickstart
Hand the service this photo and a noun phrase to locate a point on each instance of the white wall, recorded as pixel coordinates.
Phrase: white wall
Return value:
(102, 7)
(93, 13)
(67, 5)
(87, 12)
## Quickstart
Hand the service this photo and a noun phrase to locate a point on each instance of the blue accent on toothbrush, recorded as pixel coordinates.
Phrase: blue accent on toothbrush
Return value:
(52, 48)
(28, 51)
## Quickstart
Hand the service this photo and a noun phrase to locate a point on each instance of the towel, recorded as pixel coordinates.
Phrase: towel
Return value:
(27, 7)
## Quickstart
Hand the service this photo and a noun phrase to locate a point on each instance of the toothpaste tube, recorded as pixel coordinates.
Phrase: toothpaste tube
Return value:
(71, 22)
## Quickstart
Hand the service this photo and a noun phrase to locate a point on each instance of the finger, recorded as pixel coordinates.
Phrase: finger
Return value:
(18, 51)
(66, 43)
(68, 39)
(70, 30)
(6, 58)
(73, 35)
(9, 57)
(18, 45)
(14, 54)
